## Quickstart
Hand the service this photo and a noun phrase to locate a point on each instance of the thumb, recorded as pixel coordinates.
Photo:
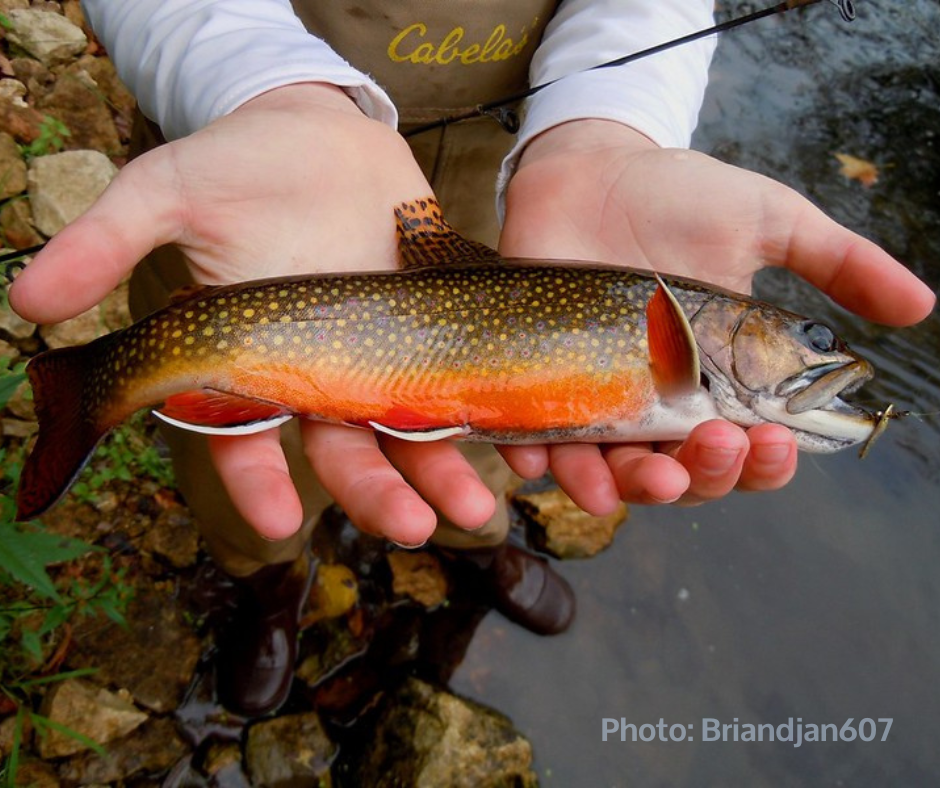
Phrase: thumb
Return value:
(86, 260)
(855, 272)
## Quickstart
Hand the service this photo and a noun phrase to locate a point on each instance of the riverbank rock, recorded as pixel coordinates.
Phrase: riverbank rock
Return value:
(150, 749)
(79, 103)
(154, 656)
(16, 225)
(289, 752)
(12, 168)
(418, 575)
(13, 325)
(425, 738)
(92, 711)
(64, 185)
(557, 526)
(47, 36)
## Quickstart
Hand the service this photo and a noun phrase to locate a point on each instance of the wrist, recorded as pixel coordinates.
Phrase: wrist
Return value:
(304, 95)
(587, 136)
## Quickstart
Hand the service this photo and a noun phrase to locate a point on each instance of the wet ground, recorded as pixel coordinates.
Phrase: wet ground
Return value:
(819, 602)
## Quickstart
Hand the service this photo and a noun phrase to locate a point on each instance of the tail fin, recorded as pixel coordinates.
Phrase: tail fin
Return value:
(67, 408)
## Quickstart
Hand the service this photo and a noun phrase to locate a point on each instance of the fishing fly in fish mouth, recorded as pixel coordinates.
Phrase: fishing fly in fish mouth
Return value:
(459, 343)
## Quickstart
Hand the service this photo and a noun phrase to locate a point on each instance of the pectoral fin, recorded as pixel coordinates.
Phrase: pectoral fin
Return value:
(214, 412)
(673, 352)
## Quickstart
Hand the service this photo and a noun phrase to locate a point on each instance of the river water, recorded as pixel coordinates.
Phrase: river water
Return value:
(820, 602)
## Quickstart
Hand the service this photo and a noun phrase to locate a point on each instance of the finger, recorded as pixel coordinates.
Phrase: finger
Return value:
(87, 259)
(772, 459)
(713, 454)
(530, 462)
(353, 469)
(582, 472)
(854, 271)
(444, 479)
(644, 476)
(254, 470)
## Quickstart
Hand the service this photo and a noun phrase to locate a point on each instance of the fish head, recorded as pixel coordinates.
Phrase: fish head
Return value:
(764, 364)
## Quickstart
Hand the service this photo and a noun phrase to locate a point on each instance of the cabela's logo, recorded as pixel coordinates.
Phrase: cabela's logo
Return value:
(413, 46)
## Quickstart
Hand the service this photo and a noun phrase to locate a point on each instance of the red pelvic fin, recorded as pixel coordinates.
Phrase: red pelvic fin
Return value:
(218, 410)
(674, 360)
(70, 427)
(425, 238)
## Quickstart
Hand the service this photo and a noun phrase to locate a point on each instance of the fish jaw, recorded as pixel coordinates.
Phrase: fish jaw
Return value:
(764, 364)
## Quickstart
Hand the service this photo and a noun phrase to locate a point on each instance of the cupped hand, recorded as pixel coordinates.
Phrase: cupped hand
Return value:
(598, 190)
(297, 180)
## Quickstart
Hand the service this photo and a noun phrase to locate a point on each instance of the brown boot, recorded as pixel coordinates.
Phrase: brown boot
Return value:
(525, 589)
(258, 650)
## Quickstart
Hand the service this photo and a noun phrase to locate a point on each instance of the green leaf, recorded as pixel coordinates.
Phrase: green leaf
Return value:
(44, 724)
(9, 383)
(25, 554)
(69, 674)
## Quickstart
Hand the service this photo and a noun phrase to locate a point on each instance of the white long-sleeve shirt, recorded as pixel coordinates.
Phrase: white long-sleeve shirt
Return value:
(191, 61)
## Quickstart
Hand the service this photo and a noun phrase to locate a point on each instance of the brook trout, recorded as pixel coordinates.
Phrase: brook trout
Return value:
(459, 343)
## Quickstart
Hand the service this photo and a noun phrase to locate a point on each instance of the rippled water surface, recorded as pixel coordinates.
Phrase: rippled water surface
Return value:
(820, 602)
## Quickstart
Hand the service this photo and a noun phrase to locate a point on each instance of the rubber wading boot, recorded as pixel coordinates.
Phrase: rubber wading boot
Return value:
(258, 649)
(525, 589)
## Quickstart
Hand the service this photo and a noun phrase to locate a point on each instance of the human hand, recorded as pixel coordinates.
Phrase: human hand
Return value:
(598, 190)
(297, 180)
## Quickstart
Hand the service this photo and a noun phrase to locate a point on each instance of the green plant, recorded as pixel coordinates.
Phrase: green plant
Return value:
(126, 455)
(37, 607)
(11, 378)
(52, 135)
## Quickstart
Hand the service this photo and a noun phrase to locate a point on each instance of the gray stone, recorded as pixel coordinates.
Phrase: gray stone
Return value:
(13, 92)
(289, 751)
(424, 738)
(12, 167)
(64, 185)
(13, 324)
(49, 37)
(90, 710)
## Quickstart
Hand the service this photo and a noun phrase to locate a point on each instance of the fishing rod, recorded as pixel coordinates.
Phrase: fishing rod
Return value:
(499, 110)
(507, 118)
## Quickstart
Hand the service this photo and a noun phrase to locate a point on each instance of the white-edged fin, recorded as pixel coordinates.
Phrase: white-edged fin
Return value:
(236, 429)
(420, 436)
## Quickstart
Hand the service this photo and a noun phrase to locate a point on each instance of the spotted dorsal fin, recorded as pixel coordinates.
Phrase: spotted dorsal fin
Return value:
(425, 238)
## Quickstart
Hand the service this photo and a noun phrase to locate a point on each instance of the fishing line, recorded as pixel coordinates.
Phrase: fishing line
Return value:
(499, 110)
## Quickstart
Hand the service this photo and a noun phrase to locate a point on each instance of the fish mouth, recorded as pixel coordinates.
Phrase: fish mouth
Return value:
(819, 388)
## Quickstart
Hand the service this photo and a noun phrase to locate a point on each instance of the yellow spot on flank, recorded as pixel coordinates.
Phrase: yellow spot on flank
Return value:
(248, 313)
(274, 306)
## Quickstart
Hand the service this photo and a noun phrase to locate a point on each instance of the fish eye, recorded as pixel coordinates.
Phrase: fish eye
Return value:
(820, 337)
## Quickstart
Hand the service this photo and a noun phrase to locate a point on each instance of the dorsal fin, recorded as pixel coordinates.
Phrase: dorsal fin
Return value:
(673, 351)
(186, 292)
(425, 238)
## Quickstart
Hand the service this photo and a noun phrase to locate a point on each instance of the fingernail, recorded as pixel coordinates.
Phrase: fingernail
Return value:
(408, 546)
(717, 460)
(771, 453)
